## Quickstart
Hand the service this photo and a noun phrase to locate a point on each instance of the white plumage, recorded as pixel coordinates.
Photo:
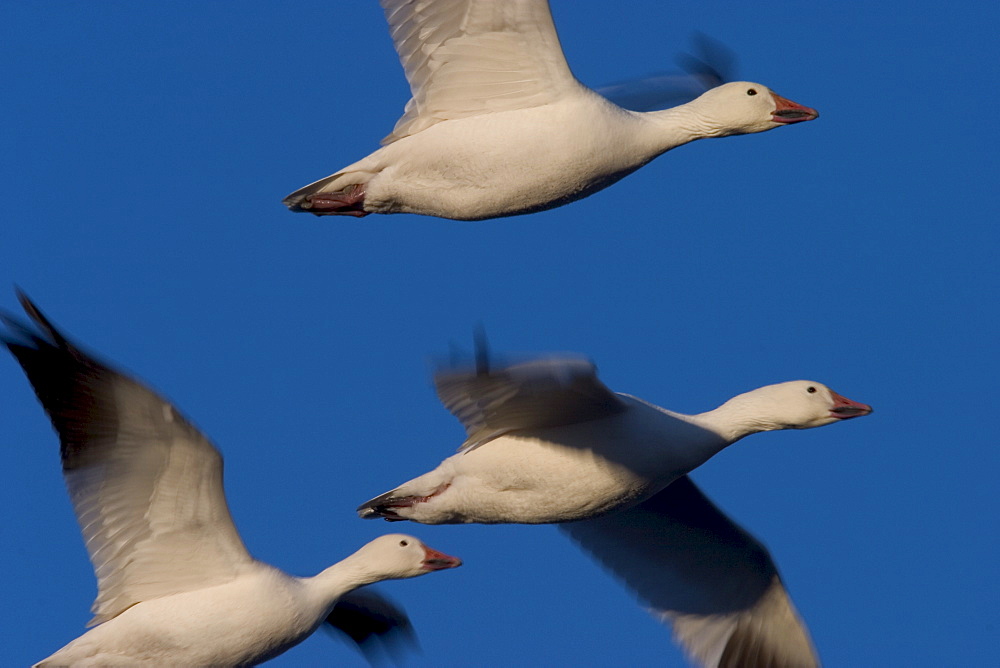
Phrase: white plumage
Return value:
(176, 586)
(498, 126)
(548, 442)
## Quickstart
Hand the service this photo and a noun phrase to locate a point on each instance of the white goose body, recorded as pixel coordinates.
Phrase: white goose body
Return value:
(564, 473)
(256, 616)
(176, 586)
(548, 442)
(498, 125)
(259, 614)
(578, 461)
(458, 169)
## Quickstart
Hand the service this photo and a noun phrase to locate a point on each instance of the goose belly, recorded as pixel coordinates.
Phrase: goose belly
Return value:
(503, 164)
(517, 479)
(240, 623)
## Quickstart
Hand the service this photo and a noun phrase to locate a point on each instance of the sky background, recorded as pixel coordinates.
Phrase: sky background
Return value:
(146, 148)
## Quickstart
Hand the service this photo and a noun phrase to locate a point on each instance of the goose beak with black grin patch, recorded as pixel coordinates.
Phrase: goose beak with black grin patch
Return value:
(844, 408)
(438, 561)
(787, 111)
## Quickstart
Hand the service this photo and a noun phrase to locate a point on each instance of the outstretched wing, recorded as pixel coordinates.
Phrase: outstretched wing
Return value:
(470, 57)
(703, 574)
(145, 484)
(547, 392)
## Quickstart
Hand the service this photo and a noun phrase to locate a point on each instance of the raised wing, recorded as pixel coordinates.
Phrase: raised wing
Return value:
(372, 621)
(702, 573)
(145, 484)
(470, 57)
(541, 393)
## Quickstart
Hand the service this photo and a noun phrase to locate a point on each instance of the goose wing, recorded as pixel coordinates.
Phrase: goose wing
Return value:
(470, 57)
(711, 65)
(703, 574)
(372, 621)
(145, 484)
(547, 392)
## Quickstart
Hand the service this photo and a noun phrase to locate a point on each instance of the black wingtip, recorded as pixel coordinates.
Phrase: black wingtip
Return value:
(482, 347)
(22, 336)
(14, 324)
(375, 624)
(54, 335)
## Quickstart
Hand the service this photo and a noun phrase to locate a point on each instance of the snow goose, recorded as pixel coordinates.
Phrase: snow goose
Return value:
(548, 442)
(498, 126)
(176, 586)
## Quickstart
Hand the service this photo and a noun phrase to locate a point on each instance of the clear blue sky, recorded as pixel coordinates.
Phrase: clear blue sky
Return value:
(147, 147)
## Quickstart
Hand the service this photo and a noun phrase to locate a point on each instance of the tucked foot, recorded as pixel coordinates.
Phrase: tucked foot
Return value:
(347, 202)
(387, 505)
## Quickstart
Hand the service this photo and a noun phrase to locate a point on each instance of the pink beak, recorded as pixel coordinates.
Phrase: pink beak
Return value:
(438, 561)
(787, 111)
(844, 408)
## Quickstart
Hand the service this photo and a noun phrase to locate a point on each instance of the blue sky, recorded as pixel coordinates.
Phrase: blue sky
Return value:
(147, 147)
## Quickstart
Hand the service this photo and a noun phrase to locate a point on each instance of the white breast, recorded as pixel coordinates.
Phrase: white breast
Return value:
(507, 163)
(259, 614)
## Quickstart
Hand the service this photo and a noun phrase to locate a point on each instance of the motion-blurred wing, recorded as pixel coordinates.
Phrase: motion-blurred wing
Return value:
(145, 484)
(658, 91)
(699, 571)
(373, 622)
(548, 392)
(712, 65)
(470, 57)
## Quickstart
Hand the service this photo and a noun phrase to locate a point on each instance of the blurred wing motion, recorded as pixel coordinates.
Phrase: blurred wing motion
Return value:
(145, 484)
(699, 571)
(547, 392)
(470, 57)
(714, 65)
(373, 622)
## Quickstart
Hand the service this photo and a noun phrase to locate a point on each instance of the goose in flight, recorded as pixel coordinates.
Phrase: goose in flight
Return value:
(176, 586)
(549, 443)
(497, 125)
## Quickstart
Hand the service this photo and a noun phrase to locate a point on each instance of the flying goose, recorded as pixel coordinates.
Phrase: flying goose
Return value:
(498, 125)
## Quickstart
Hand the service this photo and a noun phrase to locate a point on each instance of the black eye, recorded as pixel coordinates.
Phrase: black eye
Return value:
(752, 91)
(403, 543)
(811, 389)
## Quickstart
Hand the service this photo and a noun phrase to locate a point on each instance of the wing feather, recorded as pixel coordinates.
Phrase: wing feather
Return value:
(548, 392)
(145, 484)
(470, 57)
(706, 576)
(373, 622)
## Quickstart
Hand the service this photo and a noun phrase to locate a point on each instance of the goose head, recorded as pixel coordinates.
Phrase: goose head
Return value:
(743, 107)
(397, 556)
(799, 404)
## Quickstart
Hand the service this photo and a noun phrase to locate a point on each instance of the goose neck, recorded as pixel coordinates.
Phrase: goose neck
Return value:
(340, 578)
(736, 419)
(670, 128)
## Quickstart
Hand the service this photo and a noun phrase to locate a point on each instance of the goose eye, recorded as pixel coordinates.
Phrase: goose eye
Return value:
(403, 543)
(752, 91)
(811, 389)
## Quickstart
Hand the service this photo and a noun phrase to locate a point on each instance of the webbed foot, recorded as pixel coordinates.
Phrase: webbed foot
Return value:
(385, 506)
(347, 202)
